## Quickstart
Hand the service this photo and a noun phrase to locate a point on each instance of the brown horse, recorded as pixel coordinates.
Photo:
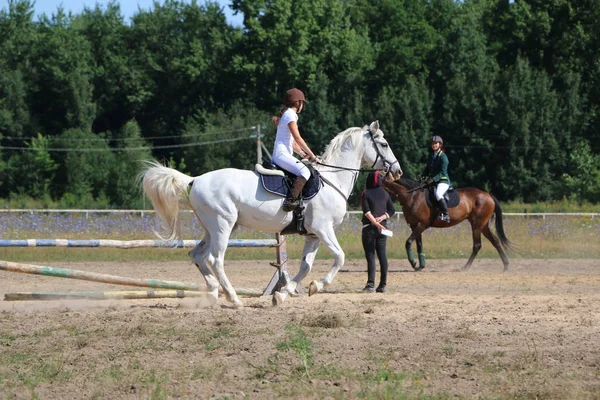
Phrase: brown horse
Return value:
(475, 205)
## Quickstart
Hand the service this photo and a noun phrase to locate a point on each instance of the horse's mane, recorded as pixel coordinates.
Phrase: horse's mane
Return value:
(336, 143)
(407, 182)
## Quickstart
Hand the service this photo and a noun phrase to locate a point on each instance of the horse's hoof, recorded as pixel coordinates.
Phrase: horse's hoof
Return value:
(278, 298)
(421, 268)
(414, 266)
(313, 288)
(212, 297)
(238, 304)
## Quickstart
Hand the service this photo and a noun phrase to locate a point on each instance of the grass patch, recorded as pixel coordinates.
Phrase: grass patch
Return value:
(326, 320)
(298, 342)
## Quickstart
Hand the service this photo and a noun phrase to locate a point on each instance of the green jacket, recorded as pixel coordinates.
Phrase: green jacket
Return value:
(437, 168)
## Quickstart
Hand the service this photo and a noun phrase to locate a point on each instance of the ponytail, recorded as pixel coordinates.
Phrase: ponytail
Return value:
(276, 118)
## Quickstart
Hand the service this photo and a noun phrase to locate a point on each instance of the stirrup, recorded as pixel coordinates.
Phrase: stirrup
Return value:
(290, 204)
(444, 217)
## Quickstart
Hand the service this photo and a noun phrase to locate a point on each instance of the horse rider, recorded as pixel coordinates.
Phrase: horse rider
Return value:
(436, 171)
(288, 141)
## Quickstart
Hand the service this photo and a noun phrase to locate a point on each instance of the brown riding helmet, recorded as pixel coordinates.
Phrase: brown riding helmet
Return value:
(292, 96)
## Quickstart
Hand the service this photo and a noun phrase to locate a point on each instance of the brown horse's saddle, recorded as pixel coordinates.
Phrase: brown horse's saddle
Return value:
(451, 196)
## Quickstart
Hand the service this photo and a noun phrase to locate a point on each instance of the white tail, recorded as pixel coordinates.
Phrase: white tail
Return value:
(167, 188)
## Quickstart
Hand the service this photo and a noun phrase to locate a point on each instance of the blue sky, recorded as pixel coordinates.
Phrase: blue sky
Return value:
(128, 7)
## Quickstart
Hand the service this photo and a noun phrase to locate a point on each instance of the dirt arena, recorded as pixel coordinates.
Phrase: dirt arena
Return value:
(532, 333)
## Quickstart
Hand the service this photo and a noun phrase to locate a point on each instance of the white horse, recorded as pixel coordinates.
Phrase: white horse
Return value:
(223, 198)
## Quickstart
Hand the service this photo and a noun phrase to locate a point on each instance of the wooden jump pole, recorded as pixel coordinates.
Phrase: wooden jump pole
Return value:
(112, 279)
(113, 295)
(129, 244)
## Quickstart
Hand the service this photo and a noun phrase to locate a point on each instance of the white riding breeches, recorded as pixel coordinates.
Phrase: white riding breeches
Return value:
(291, 164)
(440, 190)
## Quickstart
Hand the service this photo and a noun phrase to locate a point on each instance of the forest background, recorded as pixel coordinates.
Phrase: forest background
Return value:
(512, 87)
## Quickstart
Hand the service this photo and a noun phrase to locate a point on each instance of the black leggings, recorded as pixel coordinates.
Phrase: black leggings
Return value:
(374, 242)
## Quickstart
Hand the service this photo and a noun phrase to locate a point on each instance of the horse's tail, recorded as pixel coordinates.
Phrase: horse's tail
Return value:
(506, 244)
(167, 188)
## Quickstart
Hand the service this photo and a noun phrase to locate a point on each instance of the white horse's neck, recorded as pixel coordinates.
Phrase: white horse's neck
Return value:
(344, 151)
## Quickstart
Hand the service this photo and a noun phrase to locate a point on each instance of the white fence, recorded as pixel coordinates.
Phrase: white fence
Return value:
(143, 212)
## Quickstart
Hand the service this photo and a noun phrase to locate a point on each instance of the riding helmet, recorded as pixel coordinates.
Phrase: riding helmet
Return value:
(437, 139)
(292, 96)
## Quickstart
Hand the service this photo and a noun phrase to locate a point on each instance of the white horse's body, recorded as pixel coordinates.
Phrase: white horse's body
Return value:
(223, 198)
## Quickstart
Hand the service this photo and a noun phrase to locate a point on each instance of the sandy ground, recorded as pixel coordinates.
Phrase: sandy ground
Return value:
(531, 333)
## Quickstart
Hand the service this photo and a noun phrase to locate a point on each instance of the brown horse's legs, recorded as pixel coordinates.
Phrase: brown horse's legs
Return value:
(420, 251)
(409, 252)
(496, 243)
(476, 247)
(416, 234)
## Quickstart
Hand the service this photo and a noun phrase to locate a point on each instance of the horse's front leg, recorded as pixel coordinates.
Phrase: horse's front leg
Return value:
(333, 245)
(420, 251)
(311, 246)
(416, 229)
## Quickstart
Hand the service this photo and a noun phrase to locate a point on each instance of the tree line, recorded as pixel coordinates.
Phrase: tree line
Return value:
(513, 88)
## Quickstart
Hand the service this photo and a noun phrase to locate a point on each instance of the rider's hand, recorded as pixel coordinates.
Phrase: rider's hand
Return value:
(429, 181)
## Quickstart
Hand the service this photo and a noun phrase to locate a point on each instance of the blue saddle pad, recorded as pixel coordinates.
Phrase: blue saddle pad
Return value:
(279, 185)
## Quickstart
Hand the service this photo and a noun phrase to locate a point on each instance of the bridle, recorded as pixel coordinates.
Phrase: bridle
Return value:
(386, 167)
(386, 164)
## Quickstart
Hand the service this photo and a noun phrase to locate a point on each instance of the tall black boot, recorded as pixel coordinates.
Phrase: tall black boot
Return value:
(293, 200)
(443, 210)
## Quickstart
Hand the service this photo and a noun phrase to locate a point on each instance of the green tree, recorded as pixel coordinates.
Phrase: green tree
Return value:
(130, 150)
(85, 162)
(529, 125)
(464, 86)
(31, 172)
(582, 179)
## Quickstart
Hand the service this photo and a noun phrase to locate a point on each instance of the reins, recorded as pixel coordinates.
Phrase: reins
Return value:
(347, 169)
(420, 187)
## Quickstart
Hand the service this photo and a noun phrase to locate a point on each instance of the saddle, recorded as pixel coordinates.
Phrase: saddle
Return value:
(451, 196)
(278, 181)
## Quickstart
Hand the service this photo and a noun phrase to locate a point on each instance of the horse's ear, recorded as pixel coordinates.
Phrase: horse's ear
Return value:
(374, 127)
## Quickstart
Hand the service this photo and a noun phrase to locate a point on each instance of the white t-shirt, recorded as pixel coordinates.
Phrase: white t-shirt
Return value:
(284, 140)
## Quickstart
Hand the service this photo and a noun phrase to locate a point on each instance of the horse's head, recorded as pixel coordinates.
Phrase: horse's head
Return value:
(400, 187)
(378, 154)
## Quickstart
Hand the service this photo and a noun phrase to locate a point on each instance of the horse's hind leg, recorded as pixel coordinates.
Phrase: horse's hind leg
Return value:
(220, 228)
(496, 243)
(476, 247)
(199, 256)
(218, 246)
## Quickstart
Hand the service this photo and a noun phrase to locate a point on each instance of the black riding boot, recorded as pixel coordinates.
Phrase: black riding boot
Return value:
(443, 210)
(293, 200)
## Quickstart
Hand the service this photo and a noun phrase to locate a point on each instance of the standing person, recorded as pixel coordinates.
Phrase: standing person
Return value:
(288, 141)
(377, 207)
(436, 171)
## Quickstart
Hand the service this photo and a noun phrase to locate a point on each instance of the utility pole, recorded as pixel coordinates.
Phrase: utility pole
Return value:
(258, 146)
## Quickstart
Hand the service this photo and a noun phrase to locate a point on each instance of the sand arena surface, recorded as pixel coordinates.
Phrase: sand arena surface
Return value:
(531, 333)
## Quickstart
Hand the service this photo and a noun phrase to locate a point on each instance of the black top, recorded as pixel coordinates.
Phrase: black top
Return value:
(376, 200)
